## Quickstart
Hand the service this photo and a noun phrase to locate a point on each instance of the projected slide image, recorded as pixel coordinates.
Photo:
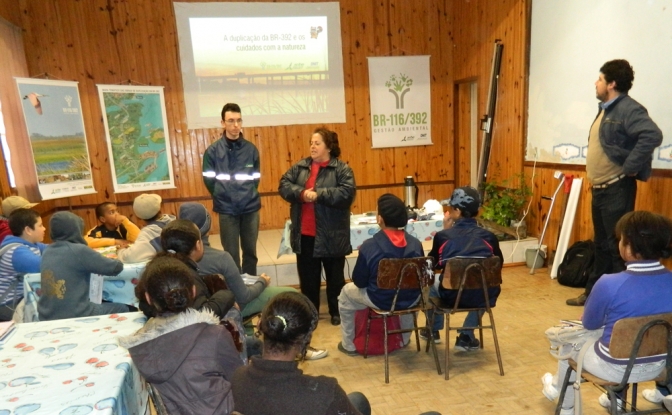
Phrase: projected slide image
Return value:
(281, 62)
(259, 45)
(271, 65)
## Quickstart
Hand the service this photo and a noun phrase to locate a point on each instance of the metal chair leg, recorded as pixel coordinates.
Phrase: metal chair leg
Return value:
(494, 336)
(387, 366)
(415, 326)
(446, 358)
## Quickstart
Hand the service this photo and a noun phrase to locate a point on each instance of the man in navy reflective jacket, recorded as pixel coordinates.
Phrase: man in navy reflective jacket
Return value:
(231, 174)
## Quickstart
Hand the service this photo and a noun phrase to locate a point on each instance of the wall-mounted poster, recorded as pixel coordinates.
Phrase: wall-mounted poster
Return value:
(401, 113)
(53, 115)
(137, 137)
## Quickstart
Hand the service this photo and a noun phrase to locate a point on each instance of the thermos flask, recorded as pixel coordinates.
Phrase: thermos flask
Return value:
(410, 192)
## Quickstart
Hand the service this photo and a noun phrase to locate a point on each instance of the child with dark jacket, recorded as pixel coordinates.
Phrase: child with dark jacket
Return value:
(184, 353)
(462, 237)
(67, 265)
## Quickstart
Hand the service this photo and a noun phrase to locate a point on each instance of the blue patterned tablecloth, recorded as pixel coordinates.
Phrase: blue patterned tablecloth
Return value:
(423, 230)
(118, 289)
(72, 366)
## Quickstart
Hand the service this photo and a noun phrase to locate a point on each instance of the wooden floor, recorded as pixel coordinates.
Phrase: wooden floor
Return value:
(527, 306)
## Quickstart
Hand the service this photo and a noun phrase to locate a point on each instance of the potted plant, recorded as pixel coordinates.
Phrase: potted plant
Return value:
(503, 201)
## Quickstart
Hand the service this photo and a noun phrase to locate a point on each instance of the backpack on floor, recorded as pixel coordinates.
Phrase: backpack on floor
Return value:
(577, 264)
(376, 336)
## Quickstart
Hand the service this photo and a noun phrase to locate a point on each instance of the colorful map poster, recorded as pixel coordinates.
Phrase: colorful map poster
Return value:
(53, 115)
(137, 137)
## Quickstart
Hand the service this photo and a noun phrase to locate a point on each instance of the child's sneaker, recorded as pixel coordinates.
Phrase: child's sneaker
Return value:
(315, 354)
(653, 395)
(549, 391)
(606, 402)
(424, 335)
(465, 343)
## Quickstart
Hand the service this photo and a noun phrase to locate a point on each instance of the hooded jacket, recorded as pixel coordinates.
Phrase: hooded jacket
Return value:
(147, 243)
(465, 239)
(335, 187)
(67, 265)
(365, 273)
(189, 358)
(216, 261)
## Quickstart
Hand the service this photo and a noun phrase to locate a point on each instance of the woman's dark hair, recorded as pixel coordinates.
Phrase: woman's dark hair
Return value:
(169, 283)
(619, 70)
(288, 320)
(330, 139)
(20, 218)
(649, 235)
(180, 236)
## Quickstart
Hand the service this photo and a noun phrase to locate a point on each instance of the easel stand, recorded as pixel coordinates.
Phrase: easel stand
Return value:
(567, 224)
(557, 175)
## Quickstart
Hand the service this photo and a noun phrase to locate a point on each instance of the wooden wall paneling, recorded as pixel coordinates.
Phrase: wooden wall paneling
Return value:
(356, 149)
(10, 11)
(138, 41)
(91, 112)
(14, 64)
(412, 40)
(473, 58)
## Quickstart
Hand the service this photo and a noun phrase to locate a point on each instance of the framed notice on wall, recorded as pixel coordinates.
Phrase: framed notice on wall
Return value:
(400, 101)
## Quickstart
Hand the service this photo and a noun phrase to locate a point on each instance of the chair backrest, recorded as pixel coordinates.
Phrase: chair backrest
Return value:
(472, 271)
(405, 273)
(654, 336)
(155, 396)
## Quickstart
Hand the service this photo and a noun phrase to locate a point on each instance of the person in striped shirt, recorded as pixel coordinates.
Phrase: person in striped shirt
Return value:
(20, 253)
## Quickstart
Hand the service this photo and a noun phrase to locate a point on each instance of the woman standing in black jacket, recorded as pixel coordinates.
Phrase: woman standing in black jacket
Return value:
(321, 189)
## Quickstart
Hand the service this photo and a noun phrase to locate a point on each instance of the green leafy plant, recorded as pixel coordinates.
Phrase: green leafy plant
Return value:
(502, 203)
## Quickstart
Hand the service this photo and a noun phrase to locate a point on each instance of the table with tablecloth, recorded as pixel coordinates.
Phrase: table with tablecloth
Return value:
(72, 366)
(363, 227)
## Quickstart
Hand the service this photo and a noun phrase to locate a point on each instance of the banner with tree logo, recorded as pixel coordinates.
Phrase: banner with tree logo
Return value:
(400, 101)
(53, 115)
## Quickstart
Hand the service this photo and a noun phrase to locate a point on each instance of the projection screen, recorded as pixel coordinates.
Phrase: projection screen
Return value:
(281, 62)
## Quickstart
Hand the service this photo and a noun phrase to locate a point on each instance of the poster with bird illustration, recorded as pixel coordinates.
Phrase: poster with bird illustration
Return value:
(53, 116)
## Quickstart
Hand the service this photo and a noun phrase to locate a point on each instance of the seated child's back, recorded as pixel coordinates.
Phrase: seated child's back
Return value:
(67, 265)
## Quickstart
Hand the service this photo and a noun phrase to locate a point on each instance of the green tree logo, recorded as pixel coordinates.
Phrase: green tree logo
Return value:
(399, 86)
